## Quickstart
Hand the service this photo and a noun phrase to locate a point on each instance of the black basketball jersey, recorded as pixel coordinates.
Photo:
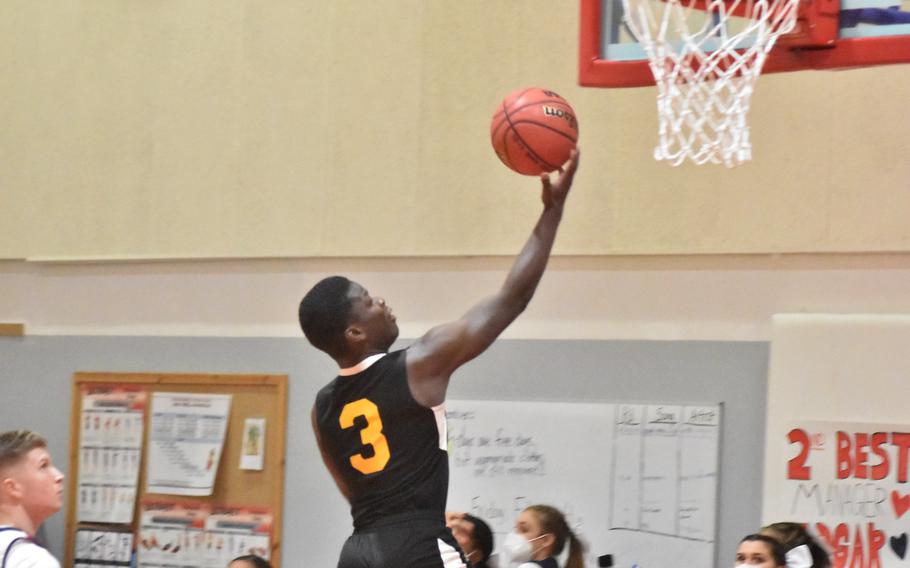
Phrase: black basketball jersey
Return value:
(389, 449)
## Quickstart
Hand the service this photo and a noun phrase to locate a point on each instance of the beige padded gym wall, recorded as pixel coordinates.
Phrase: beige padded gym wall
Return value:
(201, 128)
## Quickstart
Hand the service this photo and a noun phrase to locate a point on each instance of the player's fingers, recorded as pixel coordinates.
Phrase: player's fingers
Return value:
(573, 161)
(570, 167)
(546, 189)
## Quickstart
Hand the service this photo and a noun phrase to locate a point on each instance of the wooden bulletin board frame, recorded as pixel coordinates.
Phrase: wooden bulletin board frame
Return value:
(253, 396)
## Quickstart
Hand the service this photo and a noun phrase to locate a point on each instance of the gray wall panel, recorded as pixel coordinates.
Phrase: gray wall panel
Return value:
(35, 375)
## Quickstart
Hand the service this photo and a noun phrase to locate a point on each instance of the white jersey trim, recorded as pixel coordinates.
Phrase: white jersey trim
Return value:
(362, 366)
(439, 412)
(450, 557)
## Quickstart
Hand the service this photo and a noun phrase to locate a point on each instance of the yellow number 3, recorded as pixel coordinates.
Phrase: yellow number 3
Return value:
(370, 436)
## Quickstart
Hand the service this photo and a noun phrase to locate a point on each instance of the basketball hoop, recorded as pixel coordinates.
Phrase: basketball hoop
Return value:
(705, 56)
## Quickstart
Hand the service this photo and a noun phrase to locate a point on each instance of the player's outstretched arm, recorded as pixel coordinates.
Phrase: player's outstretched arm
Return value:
(436, 355)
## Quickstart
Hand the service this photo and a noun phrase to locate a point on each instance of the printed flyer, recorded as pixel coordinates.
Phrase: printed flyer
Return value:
(236, 531)
(171, 534)
(110, 449)
(176, 533)
(185, 442)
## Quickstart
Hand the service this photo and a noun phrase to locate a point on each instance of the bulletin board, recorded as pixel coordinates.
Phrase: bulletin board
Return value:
(253, 397)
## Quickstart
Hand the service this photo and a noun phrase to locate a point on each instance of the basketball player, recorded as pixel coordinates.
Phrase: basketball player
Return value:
(31, 489)
(380, 425)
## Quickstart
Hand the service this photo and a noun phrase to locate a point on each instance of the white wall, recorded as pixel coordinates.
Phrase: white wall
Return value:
(832, 368)
(659, 298)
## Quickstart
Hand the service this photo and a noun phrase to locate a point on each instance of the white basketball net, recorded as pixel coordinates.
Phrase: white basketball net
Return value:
(705, 62)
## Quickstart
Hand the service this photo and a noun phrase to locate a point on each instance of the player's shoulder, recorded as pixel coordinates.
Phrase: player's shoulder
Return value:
(324, 394)
(340, 386)
(27, 554)
(398, 356)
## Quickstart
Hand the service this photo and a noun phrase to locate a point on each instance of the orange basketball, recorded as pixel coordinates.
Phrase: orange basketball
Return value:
(534, 131)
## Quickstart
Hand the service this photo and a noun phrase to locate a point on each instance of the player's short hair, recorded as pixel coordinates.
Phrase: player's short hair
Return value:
(15, 444)
(483, 538)
(325, 312)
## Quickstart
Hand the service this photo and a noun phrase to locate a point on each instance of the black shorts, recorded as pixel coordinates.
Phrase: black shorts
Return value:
(413, 543)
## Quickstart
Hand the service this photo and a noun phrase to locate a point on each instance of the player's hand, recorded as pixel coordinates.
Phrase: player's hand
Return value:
(453, 518)
(554, 193)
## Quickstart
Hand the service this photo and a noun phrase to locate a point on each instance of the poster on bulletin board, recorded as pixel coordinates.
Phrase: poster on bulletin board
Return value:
(850, 483)
(111, 427)
(186, 441)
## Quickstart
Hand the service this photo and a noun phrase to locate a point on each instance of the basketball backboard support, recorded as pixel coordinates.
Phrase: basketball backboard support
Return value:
(829, 34)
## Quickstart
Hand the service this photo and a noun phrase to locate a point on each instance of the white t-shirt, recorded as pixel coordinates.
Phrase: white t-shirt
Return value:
(23, 553)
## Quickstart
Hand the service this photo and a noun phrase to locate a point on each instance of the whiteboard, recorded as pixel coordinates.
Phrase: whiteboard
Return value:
(638, 481)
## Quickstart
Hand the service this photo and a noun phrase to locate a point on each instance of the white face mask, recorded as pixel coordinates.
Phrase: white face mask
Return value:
(516, 549)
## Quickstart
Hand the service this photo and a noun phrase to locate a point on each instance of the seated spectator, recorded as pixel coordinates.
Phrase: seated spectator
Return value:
(541, 533)
(760, 551)
(473, 535)
(802, 550)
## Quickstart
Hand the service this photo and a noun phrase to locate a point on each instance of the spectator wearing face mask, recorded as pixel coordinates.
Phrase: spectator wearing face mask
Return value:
(473, 535)
(803, 551)
(541, 533)
(760, 551)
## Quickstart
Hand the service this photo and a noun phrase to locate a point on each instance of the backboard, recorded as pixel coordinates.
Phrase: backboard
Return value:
(829, 34)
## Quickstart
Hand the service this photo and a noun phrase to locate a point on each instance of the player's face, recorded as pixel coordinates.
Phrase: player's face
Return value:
(373, 316)
(755, 554)
(40, 484)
